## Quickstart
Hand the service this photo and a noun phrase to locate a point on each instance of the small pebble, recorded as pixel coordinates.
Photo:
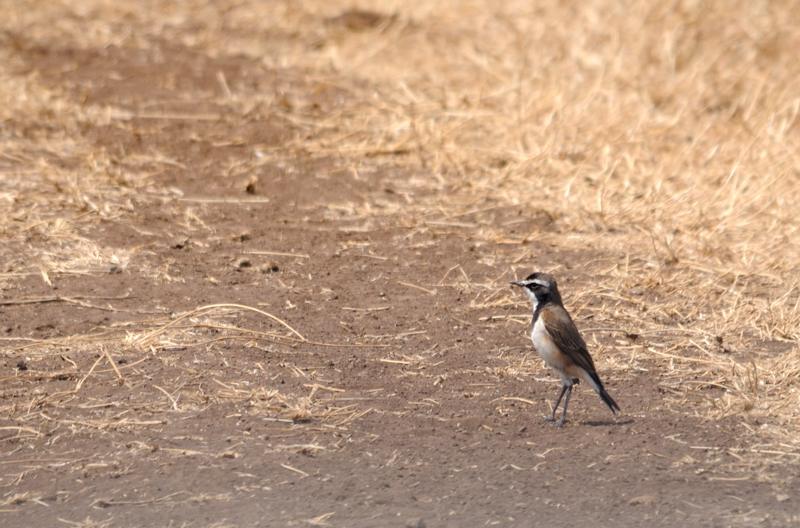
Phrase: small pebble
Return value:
(269, 267)
(643, 500)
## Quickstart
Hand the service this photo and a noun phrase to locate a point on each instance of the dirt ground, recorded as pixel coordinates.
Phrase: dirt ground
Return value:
(219, 310)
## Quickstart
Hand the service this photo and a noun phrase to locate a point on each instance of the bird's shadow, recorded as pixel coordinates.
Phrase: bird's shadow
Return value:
(607, 423)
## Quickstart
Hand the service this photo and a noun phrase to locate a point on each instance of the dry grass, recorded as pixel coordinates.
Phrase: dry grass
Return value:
(661, 140)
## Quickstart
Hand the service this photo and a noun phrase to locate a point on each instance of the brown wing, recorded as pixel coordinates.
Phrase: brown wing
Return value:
(566, 336)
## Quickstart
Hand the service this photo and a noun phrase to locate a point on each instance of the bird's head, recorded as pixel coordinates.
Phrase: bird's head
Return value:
(540, 287)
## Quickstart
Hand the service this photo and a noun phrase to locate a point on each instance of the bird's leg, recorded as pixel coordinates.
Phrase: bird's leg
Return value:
(555, 407)
(566, 403)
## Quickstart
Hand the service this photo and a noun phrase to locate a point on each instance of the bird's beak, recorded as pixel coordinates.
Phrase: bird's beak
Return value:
(517, 283)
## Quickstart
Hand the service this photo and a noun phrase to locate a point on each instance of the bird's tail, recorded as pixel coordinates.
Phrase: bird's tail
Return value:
(594, 380)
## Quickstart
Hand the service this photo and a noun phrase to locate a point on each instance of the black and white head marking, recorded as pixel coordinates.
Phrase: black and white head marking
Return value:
(540, 289)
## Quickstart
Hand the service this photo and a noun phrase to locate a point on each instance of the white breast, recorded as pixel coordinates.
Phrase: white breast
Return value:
(545, 347)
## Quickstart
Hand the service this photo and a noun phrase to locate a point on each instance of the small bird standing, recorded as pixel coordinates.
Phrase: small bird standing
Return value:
(558, 342)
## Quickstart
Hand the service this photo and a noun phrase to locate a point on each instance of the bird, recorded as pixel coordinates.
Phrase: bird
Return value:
(559, 343)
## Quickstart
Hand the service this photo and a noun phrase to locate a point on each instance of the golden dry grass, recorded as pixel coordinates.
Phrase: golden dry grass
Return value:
(662, 139)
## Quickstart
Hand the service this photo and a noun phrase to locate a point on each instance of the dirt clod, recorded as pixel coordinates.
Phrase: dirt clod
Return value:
(642, 500)
(269, 267)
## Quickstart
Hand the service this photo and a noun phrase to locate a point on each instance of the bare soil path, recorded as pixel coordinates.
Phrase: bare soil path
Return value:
(205, 324)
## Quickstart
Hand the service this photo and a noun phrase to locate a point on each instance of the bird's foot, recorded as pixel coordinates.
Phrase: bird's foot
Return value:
(556, 423)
